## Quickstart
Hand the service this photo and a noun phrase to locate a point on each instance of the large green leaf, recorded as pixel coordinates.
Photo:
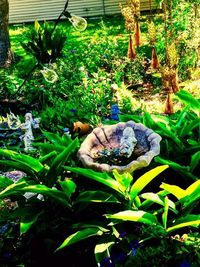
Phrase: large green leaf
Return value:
(23, 187)
(16, 165)
(188, 99)
(134, 216)
(156, 198)
(48, 157)
(165, 213)
(78, 236)
(170, 133)
(174, 190)
(68, 186)
(55, 138)
(188, 127)
(59, 161)
(193, 187)
(31, 162)
(103, 178)
(182, 169)
(124, 180)
(193, 197)
(97, 197)
(5, 182)
(144, 180)
(27, 221)
(195, 161)
(47, 147)
(102, 248)
(188, 221)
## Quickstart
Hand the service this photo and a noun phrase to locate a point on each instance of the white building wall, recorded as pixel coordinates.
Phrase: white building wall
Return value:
(29, 10)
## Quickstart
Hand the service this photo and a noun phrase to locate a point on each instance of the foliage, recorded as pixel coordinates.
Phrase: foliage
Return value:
(157, 211)
(44, 44)
(180, 145)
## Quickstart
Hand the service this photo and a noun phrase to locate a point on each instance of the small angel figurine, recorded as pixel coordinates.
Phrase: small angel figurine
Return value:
(28, 137)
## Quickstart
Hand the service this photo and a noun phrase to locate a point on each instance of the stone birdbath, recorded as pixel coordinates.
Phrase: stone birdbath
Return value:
(124, 147)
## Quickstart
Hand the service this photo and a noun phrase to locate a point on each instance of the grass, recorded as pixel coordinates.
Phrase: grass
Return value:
(150, 98)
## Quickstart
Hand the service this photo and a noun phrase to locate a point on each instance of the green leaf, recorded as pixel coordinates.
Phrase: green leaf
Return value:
(5, 181)
(148, 121)
(188, 221)
(101, 250)
(193, 187)
(103, 178)
(156, 198)
(47, 157)
(68, 186)
(193, 197)
(55, 194)
(31, 162)
(188, 127)
(23, 187)
(135, 216)
(47, 147)
(124, 180)
(176, 166)
(144, 180)
(195, 161)
(174, 190)
(165, 213)
(12, 189)
(16, 165)
(37, 26)
(78, 236)
(59, 161)
(164, 131)
(27, 221)
(54, 138)
(127, 117)
(188, 99)
(97, 197)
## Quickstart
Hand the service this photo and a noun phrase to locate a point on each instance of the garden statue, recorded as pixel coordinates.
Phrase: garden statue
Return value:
(123, 146)
(27, 128)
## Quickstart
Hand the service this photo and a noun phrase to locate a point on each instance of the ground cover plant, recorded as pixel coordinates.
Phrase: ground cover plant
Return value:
(52, 209)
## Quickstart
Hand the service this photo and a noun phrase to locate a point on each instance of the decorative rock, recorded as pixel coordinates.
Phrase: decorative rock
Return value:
(123, 146)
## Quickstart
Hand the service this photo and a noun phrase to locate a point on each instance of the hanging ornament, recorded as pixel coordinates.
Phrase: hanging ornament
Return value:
(131, 49)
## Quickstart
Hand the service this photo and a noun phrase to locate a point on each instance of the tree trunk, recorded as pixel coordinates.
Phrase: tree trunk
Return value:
(5, 52)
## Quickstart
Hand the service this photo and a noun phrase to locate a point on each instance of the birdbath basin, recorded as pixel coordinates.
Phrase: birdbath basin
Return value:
(124, 147)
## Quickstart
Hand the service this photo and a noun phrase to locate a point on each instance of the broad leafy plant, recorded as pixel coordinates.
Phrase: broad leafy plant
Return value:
(181, 135)
(44, 43)
(160, 215)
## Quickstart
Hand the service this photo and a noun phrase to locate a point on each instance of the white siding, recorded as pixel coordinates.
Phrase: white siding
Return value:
(29, 10)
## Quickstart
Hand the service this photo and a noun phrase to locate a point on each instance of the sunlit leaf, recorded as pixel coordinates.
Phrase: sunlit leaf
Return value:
(103, 178)
(144, 180)
(124, 180)
(68, 186)
(135, 216)
(78, 236)
(188, 221)
(174, 190)
(165, 213)
(31, 162)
